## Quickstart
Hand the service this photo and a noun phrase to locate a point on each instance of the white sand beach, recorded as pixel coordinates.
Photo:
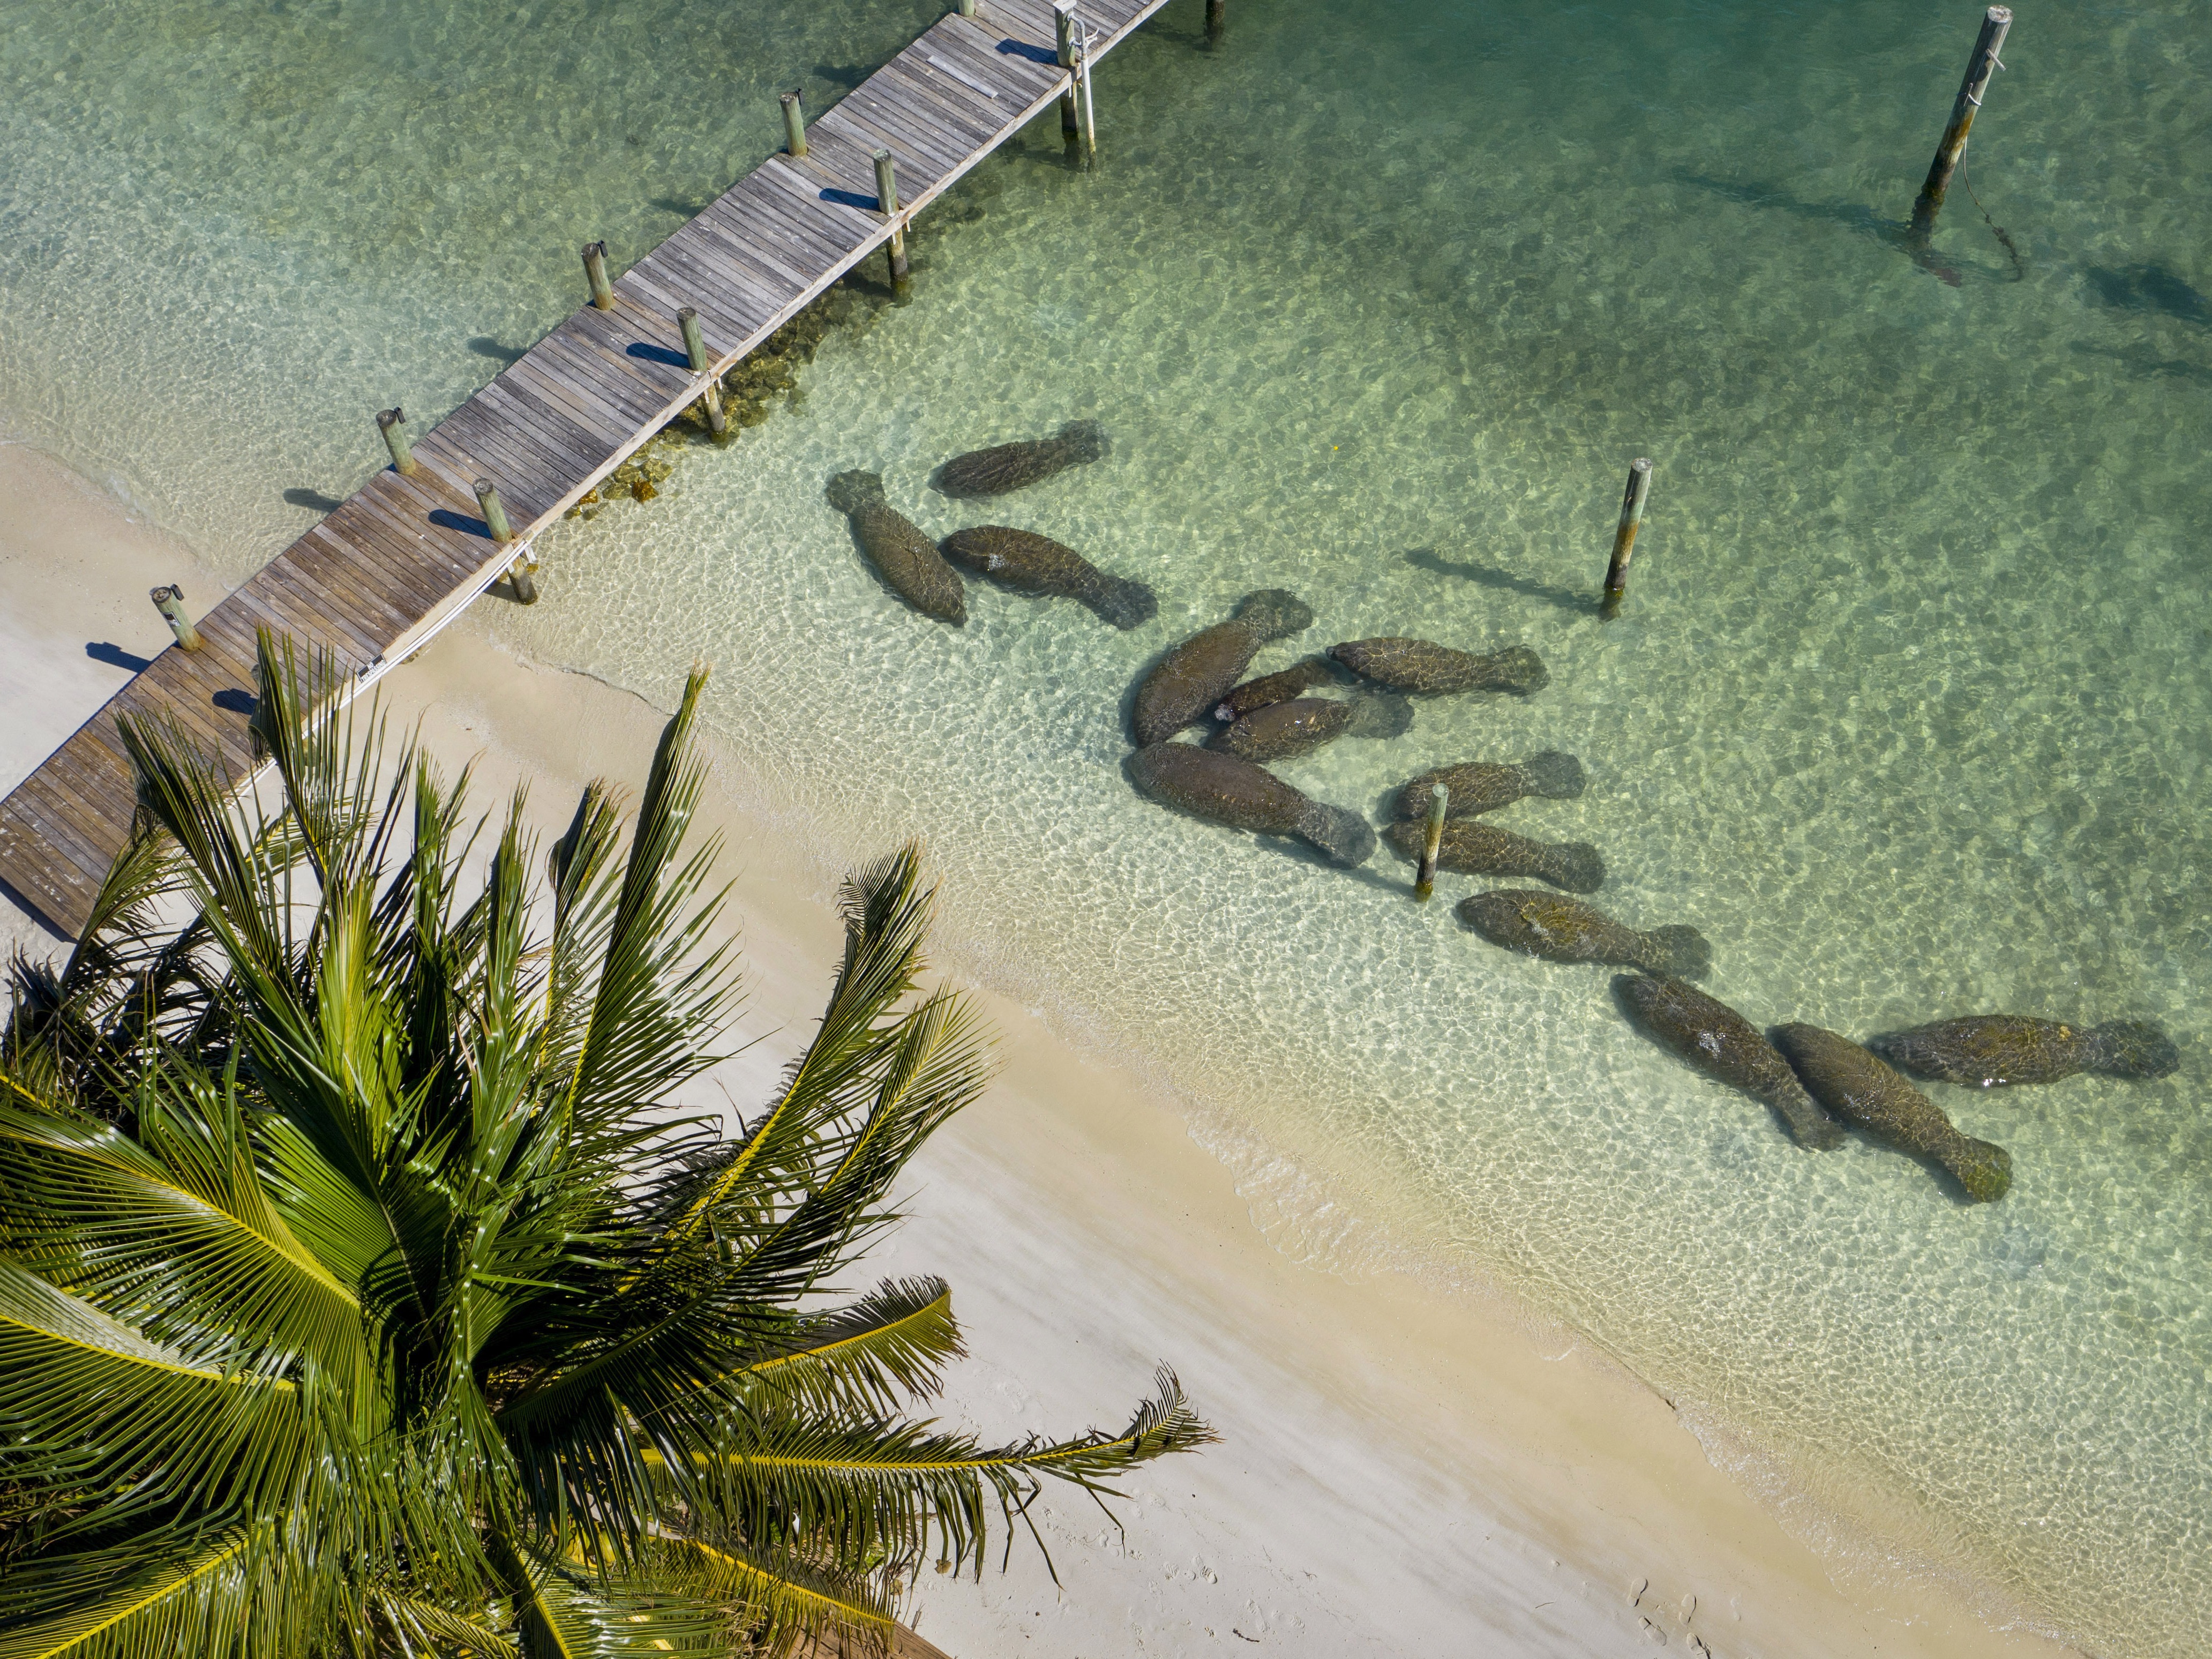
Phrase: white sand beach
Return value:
(1401, 1472)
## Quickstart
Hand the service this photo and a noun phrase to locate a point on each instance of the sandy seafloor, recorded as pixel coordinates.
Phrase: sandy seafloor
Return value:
(1908, 712)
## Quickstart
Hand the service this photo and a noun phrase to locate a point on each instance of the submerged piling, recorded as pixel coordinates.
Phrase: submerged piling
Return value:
(1624, 537)
(1215, 23)
(495, 511)
(694, 348)
(393, 423)
(170, 602)
(794, 125)
(1996, 22)
(520, 581)
(888, 203)
(595, 275)
(1432, 841)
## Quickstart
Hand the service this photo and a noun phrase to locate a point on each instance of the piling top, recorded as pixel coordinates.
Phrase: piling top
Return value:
(1639, 465)
(2001, 14)
(388, 418)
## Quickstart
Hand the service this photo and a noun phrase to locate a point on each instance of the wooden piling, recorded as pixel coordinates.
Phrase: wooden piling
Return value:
(1215, 23)
(1063, 24)
(694, 348)
(393, 423)
(967, 7)
(1433, 841)
(1087, 109)
(495, 511)
(1624, 537)
(888, 203)
(794, 125)
(519, 580)
(595, 274)
(170, 602)
(1996, 22)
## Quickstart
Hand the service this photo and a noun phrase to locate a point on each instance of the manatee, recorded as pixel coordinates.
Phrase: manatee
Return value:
(1223, 789)
(1030, 563)
(1002, 467)
(1478, 787)
(1278, 730)
(1427, 670)
(1857, 1087)
(1722, 1043)
(1279, 686)
(1988, 1051)
(906, 558)
(1184, 685)
(1480, 849)
(1541, 924)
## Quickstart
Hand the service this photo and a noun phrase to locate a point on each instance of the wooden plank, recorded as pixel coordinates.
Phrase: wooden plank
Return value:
(804, 242)
(785, 272)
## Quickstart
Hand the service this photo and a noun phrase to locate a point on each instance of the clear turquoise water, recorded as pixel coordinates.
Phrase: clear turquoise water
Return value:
(1910, 711)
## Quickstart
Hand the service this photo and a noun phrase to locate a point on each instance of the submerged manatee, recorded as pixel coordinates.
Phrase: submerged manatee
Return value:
(1557, 929)
(1185, 683)
(1479, 787)
(1002, 467)
(1859, 1089)
(906, 559)
(1481, 849)
(1988, 1051)
(1278, 730)
(1722, 1043)
(1280, 687)
(1428, 670)
(1223, 789)
(1030, 563)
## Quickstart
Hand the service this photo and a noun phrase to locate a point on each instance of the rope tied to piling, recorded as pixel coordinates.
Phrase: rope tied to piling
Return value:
(2003, 236)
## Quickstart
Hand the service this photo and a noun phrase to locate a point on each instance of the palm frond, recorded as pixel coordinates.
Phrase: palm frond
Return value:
(777, 1608)
(892, 1343)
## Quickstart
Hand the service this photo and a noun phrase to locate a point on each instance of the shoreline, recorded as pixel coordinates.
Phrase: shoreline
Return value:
(1403, 1470)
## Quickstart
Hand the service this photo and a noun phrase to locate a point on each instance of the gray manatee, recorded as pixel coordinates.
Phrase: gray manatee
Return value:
(1477, 787)
(1002, 467)
(1989, 1051)
(1428, 670)
(1280, 687)
(1540, 924)
(1474, 848)
(1027, 563)
(906, 558)
(1184, 685)
(1856, 1086)
(1279, 730)
(1223, 789)
(1714, 1039)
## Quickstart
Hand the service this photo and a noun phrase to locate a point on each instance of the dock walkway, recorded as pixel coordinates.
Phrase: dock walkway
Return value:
(403, 556)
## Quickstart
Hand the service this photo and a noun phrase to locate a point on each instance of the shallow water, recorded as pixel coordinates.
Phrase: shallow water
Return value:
(1909, 710)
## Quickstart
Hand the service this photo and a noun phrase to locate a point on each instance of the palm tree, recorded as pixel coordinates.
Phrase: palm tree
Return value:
(360, 1292)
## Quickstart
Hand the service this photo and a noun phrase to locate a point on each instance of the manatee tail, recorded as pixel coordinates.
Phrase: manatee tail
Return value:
(1124, 602)
(1520, 669)
(850, 492)
(1085, 440)
(1553, 775)
(1982, 1167)
(1345, 837)
(1575, 866)
(1379, 717)
(1274, 613)
(1682, 951)
(2131, 1047)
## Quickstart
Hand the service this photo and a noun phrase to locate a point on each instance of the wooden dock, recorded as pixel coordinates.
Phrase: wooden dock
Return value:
(399, 559)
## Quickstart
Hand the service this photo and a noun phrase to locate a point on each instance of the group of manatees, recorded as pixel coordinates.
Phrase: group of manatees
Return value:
(1811, 1078)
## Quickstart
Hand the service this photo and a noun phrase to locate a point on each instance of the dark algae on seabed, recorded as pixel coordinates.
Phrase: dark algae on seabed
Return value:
(1473, 848)
(1855, 1085)
(1022, 561)
(1282, 730)
(1223, 789)
(1473, 788)
(908, 559)
(1713, 1038)
(1426, 669)
(1557, 929)
(1990, 1051)
(1184, 685)
(1004, 467)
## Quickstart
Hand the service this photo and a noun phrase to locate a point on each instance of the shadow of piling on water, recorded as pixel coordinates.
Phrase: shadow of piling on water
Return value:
(1856, 217)
(1508, 581)
(2150, 286)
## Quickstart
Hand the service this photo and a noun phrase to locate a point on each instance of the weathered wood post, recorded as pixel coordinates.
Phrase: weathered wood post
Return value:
(794, 125)
(393, 423)
(1979, 68)
(694, 348)
(1624, 537)
(1083, 88)
(887, 203)
(170, 602)
(1214, 21)
(595, 273)
(967, 7)
(1433, 841)
(520, 580)
(1063, 23)
(495, 512)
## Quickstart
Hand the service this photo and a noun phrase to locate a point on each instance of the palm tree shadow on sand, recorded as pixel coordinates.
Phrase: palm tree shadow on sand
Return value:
(1854, 216)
